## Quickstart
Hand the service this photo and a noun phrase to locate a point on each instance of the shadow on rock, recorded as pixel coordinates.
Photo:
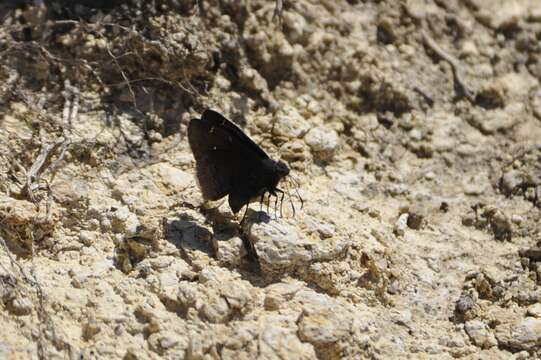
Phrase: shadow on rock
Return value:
(187, 235)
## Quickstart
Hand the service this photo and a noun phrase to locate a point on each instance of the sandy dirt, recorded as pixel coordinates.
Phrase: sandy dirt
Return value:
(413, 128)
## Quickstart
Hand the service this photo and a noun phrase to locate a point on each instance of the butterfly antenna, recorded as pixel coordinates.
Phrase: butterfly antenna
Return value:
(290, 199)
(281, 203)
(294, 179)
(296, 187)
(297, 184)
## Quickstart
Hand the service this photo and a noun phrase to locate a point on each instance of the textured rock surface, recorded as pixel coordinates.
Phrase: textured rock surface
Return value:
(419, 236)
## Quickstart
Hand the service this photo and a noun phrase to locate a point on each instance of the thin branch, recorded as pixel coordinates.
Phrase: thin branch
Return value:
(38, 167)
(455, 66)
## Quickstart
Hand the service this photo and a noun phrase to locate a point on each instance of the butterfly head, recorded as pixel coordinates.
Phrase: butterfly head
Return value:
(282, 170)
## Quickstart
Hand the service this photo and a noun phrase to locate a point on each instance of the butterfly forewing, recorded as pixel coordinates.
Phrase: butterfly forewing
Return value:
(213, 118)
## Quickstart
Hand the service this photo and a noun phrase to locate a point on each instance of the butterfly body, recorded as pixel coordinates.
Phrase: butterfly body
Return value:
(229, 163)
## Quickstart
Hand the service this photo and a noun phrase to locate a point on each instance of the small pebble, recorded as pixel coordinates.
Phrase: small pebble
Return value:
(401, 224)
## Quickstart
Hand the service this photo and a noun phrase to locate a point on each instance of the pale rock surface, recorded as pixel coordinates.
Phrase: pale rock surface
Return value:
(524, 334)
(323, 142)
(290, 124)
(116, 257)
(480, 334)
(282, 248)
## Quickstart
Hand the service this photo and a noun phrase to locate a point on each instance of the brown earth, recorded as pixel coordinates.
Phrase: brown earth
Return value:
(413, 127)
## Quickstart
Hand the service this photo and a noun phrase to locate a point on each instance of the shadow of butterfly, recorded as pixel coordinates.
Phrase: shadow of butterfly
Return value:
(229, 163)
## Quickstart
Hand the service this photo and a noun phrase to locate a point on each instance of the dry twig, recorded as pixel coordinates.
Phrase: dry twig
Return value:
(44, 159)
(460, 85)
(38, 167)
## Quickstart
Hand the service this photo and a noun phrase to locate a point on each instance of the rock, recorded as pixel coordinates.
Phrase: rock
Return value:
(416, 216)
(90, 329)
(535, 310)
(130, 251)
(270, 336)
(87, 237)
(294, 151)
(401, 224)
(142, 192)
(480, 334)
(491, 95)
(280, 293)
(469, 219)
(502, 14)
(517, 85)
(282, 248)
(281, 343)
(162, 341)
(536, 103)
(5, 351)
(296, 26)
(290, 124)
(21, 306)
(348, 185)
(510, 181)
(430, 175)
(499, 222)
(78, 280)
(123, 221)
(322, 326)
(324, 230)
(524, 334)
(252, 80)
(22, 218)
(219, 295)
(151, 227)
(169, 179)
(330, 325)
(517, 219)
(323, 142)
(499, 119)
(70, 192)
(466, 305)
(476, 185)
(229, 250)
(402, 317)
(468, 49)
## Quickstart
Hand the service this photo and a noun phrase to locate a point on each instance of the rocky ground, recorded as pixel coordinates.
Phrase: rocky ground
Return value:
(413, 128)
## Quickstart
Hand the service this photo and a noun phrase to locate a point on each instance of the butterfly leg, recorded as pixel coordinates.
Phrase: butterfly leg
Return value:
(261, 202)
(262, 199)
(275, 206)
(281, 200)
(245, 212)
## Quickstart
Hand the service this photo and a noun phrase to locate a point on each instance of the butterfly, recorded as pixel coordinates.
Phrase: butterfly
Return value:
(229, 163)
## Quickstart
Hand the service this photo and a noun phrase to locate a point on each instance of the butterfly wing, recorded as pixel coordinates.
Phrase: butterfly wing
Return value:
(223, 153)
(214, 118)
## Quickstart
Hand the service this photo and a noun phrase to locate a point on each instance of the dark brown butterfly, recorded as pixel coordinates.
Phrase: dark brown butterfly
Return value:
(229, 163)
